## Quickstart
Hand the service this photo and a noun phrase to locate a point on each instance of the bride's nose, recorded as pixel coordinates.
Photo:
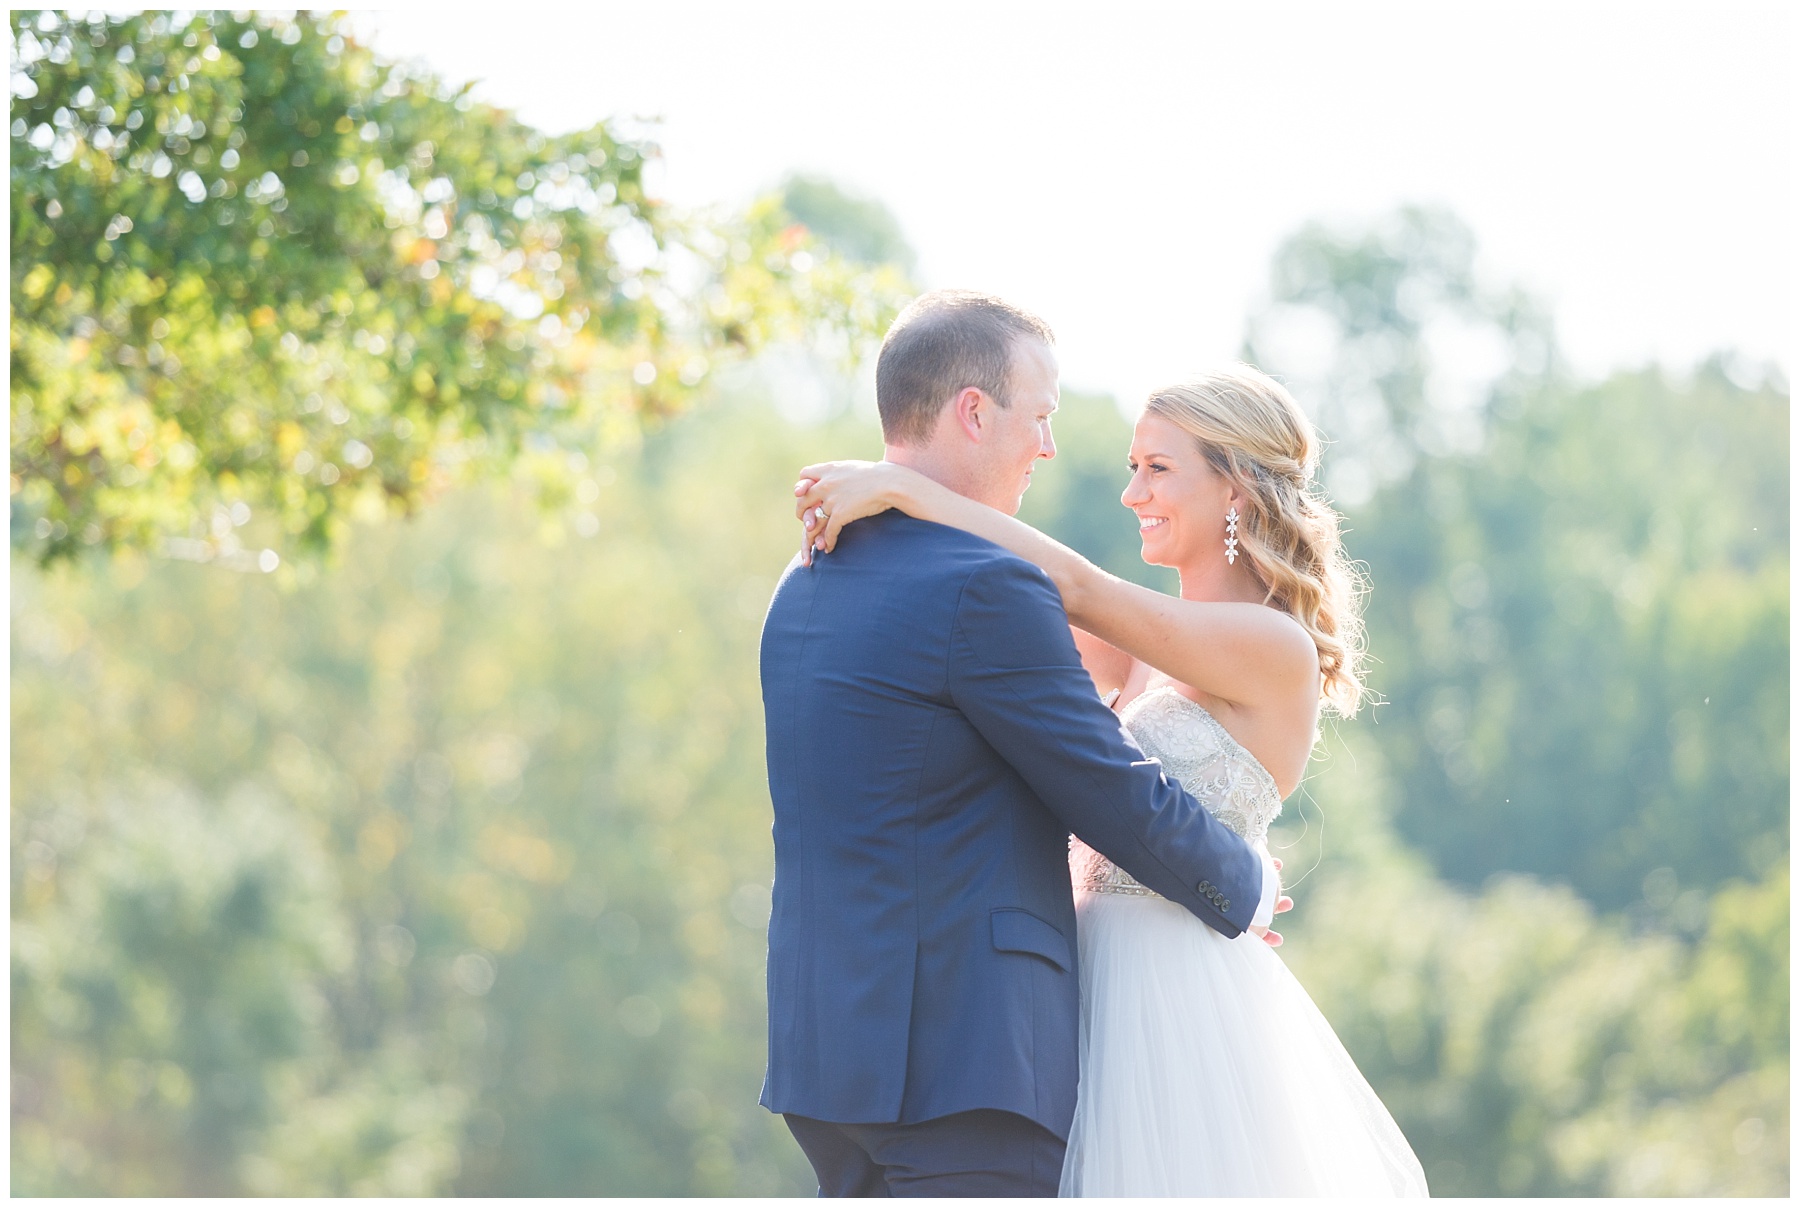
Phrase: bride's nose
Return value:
(1136, 491)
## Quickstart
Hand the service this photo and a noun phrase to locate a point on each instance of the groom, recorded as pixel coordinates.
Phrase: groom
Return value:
(932, 742)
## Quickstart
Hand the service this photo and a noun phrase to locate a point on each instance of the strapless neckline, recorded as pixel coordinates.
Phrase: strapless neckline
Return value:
(1197, 752)
(1217, 726)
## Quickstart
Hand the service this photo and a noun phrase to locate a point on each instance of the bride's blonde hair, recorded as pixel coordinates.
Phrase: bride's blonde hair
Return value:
(1250, 429)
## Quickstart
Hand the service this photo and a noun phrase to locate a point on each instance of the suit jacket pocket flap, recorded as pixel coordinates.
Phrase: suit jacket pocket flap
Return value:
(1021, 931)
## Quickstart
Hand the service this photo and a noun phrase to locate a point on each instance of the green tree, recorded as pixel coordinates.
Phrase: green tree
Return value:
(1583, 641)
(447, 872)
(1394, 345)
(258, 271)
(1580, 593)
(857, 227)
(1527, 1046)
(500, 805)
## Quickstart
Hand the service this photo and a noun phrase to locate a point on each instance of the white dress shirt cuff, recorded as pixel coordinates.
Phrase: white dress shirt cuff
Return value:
(1271, 889)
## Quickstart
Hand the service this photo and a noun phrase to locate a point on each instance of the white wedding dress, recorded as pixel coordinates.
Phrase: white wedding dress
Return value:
(1206, 1070)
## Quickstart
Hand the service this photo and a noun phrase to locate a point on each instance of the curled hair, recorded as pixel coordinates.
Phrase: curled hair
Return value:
(1250, 429)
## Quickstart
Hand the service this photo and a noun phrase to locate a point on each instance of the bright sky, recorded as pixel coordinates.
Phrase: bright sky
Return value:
(1127, 171)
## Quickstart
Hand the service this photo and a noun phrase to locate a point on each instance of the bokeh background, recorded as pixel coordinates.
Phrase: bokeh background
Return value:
(397, 487)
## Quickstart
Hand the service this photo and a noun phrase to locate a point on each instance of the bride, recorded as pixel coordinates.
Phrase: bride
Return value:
(1205, 1067)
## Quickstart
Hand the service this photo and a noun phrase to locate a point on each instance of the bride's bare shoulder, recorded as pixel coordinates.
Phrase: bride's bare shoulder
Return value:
(1276, 643)
(1289, 640)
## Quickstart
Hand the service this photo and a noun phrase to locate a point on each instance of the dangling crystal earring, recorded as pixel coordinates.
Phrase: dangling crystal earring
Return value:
(1231, 519)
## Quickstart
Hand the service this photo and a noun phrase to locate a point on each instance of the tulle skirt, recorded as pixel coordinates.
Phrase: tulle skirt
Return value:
(1206, 1070)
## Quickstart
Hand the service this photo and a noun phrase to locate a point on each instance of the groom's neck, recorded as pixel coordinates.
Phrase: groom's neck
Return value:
(937, 465)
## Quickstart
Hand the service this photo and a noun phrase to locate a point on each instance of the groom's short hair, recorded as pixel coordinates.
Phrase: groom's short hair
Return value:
(945, 342)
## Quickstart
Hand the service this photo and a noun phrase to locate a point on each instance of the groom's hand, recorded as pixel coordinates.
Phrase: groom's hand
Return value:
(1283, 904)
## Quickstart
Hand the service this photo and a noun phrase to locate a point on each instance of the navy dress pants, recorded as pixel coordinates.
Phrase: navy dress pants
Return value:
(969, 1154)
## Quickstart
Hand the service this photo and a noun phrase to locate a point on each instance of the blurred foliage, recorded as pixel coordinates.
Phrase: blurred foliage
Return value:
(1527, 1047)
(257, 270)
(1579, 624)
(857, 227)
(1393, 343)
(443, 868)
(1580, 616)
(447, 873)
(1584, 642)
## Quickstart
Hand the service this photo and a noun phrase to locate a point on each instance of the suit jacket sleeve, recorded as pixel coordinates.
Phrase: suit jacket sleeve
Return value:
(1015, 674)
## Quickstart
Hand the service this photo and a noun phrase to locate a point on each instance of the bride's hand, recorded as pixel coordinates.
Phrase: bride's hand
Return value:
(832, 494)
(1283, 904)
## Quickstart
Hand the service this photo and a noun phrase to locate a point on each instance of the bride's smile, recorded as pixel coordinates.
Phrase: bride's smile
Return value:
(1180, 501)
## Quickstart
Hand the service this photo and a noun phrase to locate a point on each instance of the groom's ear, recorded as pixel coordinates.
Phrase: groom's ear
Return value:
(973, 411)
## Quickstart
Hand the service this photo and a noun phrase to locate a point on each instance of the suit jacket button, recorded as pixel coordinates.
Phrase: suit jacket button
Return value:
(1225, 905)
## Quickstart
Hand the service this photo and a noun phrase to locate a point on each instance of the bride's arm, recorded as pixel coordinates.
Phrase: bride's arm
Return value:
(1238, 652)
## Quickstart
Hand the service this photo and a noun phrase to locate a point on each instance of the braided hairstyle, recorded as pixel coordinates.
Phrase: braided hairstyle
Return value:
(1250, 429)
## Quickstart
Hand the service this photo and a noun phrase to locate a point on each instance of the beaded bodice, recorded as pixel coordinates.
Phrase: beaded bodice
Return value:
(1196, 750)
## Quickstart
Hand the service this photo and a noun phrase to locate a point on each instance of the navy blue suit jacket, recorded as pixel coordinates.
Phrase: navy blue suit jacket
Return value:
(932, 742)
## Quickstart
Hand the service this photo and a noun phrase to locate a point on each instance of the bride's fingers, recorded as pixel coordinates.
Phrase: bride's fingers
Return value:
(1276, 861)
(1272, 938)
(827, 506)
(809, 533)
(834, 524)
(1283, 905)
(818, 470)
(825, 528)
